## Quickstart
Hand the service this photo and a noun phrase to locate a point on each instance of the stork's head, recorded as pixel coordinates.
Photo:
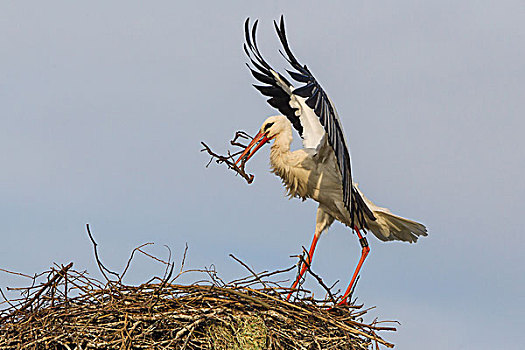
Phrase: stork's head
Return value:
(270, 129)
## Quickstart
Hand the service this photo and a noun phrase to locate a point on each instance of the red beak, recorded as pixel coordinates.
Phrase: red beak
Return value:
(258, 141)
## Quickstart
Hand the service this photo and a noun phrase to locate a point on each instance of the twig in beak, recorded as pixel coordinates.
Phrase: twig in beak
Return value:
(229, 158)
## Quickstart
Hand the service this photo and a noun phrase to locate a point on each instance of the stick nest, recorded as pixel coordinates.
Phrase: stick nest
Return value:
(68, 309)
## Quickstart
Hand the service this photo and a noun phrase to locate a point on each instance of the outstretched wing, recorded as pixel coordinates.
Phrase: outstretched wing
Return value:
(280, 92)
(309, 110)
(324, 109)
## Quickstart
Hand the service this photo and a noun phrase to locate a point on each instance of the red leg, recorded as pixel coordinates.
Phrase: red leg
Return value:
(305, 266)
(364, 253)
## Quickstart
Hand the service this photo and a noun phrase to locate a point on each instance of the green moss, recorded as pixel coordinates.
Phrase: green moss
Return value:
(244, 333)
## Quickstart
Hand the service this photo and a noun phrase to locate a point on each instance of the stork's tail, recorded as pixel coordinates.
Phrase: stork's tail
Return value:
(390, 227)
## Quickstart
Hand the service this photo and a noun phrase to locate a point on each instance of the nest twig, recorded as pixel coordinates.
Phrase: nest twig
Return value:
(228, 159)
(67, 309)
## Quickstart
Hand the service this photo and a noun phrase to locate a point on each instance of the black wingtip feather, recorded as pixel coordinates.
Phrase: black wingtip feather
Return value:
(299, 77)
(305, 91)
(262, 77)
(267, 90)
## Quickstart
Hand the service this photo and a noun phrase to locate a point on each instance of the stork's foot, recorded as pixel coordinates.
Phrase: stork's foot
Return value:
(306, 265)
(364, 252)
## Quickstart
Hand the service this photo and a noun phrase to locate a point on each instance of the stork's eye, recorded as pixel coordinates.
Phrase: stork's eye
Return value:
(267, 126)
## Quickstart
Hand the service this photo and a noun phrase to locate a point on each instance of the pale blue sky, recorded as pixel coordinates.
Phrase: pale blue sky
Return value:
(103, 106)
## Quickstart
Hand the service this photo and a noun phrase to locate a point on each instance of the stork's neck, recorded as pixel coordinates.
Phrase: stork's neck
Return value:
(281, 145)
(280, 152)
(284, 164)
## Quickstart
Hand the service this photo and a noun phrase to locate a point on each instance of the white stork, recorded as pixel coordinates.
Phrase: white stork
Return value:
(321, 170)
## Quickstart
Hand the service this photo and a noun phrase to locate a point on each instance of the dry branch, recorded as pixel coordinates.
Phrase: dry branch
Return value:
(228, 159)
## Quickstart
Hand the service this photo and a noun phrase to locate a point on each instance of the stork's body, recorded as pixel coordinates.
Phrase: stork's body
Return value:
(313, 173)
(321, 170)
